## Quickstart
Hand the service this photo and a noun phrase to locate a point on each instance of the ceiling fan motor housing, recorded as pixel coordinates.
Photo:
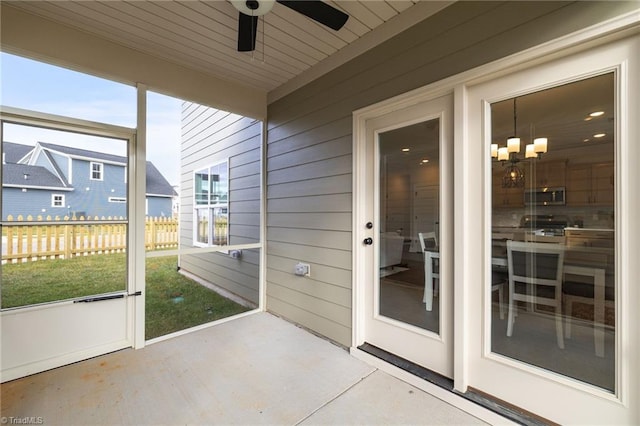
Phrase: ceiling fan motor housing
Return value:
(253, 7)
(250, 10)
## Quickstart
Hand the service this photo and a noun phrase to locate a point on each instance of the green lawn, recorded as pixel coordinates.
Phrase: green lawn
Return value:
(59, 279)
(173, 302)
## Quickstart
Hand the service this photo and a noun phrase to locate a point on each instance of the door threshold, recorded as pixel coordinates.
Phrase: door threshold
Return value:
(481, 399)
(408, 366)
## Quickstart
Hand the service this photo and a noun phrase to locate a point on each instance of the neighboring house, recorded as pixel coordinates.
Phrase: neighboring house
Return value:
(55, 180)
(12, 153)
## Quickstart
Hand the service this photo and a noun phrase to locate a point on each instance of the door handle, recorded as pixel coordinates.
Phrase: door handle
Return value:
(368, 241)
(100, 298)
(107, 297)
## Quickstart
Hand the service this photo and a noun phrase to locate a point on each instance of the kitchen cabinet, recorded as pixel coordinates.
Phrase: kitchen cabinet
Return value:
(602, 180)
(505, 197)
(590, 184)
(578, 185)
(549, 174)
(585, 237)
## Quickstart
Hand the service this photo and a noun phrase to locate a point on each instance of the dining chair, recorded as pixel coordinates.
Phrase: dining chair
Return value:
(497, 284)
(581, 292)
(428, 240)
(429, 245)
(538, 266)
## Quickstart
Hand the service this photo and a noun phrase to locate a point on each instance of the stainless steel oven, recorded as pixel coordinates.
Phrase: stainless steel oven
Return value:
(545, 225)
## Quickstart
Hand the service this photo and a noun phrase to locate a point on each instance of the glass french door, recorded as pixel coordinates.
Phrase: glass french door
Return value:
(545, 265)
(407, 240)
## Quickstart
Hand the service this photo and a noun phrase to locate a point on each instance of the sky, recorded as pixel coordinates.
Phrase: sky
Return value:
(37, 86)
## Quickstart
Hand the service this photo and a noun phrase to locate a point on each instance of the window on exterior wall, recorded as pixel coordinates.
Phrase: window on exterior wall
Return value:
(57, 200)
(211, 193)
(96, 171)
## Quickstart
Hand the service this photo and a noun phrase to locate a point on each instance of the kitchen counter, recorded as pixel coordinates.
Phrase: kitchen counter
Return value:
(569, 228)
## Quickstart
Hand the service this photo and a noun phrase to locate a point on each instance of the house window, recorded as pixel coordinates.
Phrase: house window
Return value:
(96, 171)
(57, 200)
(211, 198)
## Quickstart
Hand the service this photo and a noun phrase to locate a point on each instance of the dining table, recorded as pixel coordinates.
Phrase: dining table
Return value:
(594, 274)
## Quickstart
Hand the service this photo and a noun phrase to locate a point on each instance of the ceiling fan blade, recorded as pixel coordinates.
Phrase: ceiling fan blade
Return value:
(318, 11)
(247, 28)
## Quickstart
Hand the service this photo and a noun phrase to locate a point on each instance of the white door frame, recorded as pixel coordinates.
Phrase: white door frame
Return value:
(467, 202)
(361, 193)
(429, 349)
(576, 401)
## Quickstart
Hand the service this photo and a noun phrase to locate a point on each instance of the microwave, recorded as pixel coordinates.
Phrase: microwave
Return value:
(545, 197)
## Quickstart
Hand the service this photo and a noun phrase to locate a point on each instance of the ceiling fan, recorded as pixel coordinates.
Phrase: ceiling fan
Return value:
(250, 10)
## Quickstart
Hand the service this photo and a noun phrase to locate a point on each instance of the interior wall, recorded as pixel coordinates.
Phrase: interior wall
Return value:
(309, 152)
(44, 40)
(398, 202)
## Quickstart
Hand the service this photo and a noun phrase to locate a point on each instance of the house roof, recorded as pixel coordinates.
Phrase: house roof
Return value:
(27, 176)
(84, 153)
(13, 152)
(13, 174)
(56, 168)
(156, 182)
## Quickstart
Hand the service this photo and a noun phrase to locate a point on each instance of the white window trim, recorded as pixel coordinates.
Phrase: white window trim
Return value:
(91, 164)
(53, 200)
(208, 206)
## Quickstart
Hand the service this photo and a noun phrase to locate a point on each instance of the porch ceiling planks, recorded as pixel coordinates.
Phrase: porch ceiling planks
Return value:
(201, 35)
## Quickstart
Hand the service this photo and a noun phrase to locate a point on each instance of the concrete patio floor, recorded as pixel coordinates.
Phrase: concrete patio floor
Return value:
(257, 369)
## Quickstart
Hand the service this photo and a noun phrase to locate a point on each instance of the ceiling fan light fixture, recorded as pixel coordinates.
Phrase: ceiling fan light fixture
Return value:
(253, 7)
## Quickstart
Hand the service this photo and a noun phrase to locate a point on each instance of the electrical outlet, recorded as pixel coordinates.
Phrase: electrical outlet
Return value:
(303, 269)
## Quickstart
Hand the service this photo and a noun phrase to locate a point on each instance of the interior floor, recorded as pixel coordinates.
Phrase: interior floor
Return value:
(401, 295)
(534, 337)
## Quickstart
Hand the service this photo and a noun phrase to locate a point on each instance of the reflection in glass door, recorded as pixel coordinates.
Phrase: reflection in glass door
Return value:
(409, 215)
(406, 214)
(553, 230)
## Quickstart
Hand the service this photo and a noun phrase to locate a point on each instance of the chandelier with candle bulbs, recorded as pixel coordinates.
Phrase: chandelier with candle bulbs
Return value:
(508, 155)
